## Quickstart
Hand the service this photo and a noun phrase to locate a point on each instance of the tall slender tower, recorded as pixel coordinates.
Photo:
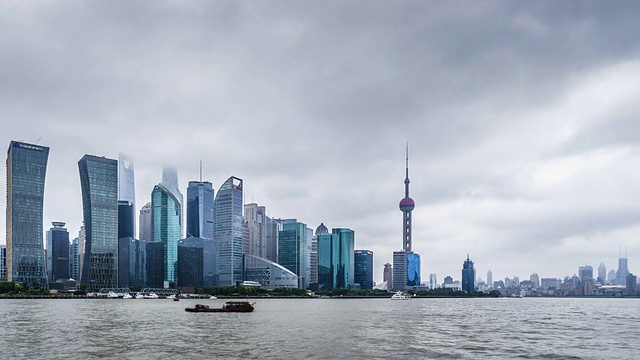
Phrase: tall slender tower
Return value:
(406, 263)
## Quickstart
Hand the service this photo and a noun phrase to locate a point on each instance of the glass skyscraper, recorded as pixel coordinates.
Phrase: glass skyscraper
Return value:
(335, 259)
(126, 198)
(26, 169)
(166, 226)
(363, 269)
(99, 182)
(294, 250)
(58, 252)
(74, 259)
(145, 223)
(227, 231)
(200, 197)
(468, 276)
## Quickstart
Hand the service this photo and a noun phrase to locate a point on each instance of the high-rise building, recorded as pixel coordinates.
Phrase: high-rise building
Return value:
(155, 264)
(490, 278)
(74, 259)
(363, 268)
(433, 281)
(335, 259)
(145, 223)
(387, 275)
(3, 262)
(166, 222)
(468, 276)
(623, 270)
(126, 198)
(200, 198)
(227, 231)
(631, 283)
(602, 274)
(197, 263)
(293, 250)
(26, 170)
(611, 276)
(58, 252)
(82, 241)
(255, 219)
(99, 182)
(585, 273)
(132, 262)
(406, 263)
(535, 280)
(273, 229)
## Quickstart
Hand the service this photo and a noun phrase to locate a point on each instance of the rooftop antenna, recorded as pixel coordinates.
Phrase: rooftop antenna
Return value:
(37, 141)
(200, 170)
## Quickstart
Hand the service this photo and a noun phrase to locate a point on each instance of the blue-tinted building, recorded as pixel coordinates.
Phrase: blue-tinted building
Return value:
(74, 259)
(132, 262)
(99, 182)
(335, 259)
(363, 269)
(155, 264)
(126, 214)
(294, 250)
(166, 226)
(200, 198)
(228, 231)
(26, 170)
(58, 252)
(197, 263)
(3, 262)
(126, 198)
(469, 276)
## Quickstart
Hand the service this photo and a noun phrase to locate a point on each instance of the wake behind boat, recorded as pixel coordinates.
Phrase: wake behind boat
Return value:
(230, 306)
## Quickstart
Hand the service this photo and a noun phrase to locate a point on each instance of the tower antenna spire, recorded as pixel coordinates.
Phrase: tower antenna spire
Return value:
(200, 170)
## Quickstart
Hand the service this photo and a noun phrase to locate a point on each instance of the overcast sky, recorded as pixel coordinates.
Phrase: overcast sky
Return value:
(523, 118)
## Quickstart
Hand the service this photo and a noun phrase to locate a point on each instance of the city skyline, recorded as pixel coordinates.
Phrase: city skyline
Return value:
(524, 157)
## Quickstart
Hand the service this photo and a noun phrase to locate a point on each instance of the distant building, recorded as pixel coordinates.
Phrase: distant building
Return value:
(256, 221)
(272, 229)
(611, 277)
(433, 281)
(602, 274)
(294, 242)
(468, 276)
(99, 182)
(631, 284)
(166, 221)
(145, 223)
(200, 198)
(58, 252)
(623, 271)
(26, 169)
(535, 280)
(227, 231)
(197, 263)
(74, 259)
(155, 264)
(3, 262)
(335, 259)
(448, 280)
(270, 275)
(126, 198)
(363, 269)
(387, 275)
(489, 278)
(132, 262)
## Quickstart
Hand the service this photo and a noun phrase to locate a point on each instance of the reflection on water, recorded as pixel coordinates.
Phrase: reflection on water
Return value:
(323, 329)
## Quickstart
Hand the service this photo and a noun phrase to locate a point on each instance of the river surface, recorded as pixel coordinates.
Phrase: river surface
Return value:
(530, 328)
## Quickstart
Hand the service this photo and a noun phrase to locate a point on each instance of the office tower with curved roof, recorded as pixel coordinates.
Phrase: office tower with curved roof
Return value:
(228, 231)
(166, 224)
(99, 182)
(26, 170)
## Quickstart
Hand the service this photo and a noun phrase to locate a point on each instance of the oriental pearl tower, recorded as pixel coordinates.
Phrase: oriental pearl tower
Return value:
(406, 206)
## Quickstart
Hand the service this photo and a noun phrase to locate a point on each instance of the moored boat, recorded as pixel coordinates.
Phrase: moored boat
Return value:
(401, 296)
(230, 306)
(127, 296)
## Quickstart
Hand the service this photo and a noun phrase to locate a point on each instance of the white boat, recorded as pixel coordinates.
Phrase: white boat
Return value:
(127, 296)
(401, 296)
(112, 295)
(212, 297)
(139, 296)
(172, 296)
(151, 296)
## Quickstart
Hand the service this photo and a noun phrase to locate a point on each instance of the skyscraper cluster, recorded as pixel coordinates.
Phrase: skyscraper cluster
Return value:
(223, 241)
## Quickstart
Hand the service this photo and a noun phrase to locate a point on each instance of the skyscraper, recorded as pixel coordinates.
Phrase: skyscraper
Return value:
(406, 263)
(363, 268)
(293, 250)
(74, 259)
(26, 170)
(468, 276)
(166, 222)
(433, 281)
(272, 229)
(535, 280)
(623, 270)
(227, 231)
(200, 197)
(58, 252)
(3, 262)
(490, 278)
(255, 218)
(99, 182)
(387, 275)
(126, 198)
(145, 223)
(335, 259)
(602, 274)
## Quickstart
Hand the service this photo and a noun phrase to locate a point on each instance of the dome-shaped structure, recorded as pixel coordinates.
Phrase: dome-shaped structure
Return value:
(407, 204)
(322, 229)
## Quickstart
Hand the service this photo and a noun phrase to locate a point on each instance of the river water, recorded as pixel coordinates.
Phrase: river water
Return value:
(530, 328)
